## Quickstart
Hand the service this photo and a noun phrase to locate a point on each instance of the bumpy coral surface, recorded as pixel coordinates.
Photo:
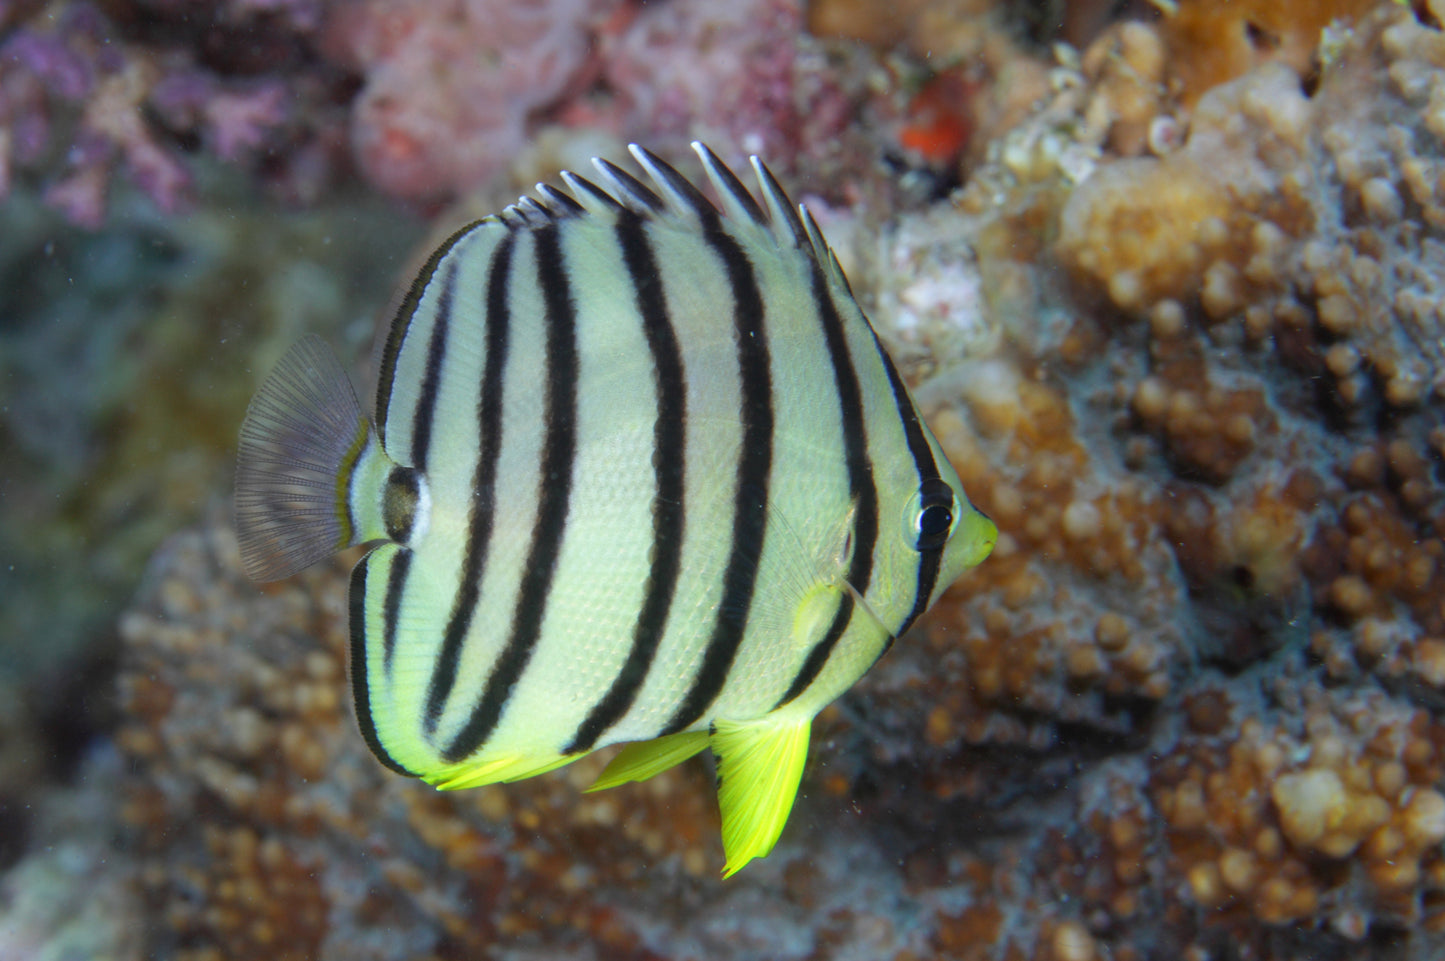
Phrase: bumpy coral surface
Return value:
(264, 828)
(1214, 464)
(1212, 43)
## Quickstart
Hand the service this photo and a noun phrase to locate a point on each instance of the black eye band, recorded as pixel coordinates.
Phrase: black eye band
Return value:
(935, 514)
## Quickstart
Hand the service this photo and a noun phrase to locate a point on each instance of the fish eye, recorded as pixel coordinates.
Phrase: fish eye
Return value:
(930, 515)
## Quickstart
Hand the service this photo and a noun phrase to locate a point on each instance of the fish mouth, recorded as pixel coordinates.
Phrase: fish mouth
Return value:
(977, 534)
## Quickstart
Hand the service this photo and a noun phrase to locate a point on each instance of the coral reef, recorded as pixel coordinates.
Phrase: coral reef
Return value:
(734, 74)
(427, 101)
(1285, 216)
(450, 88)
(1212, 43)
(1180, 333)
(1254, 810)
(1213, 463)
(72, 896)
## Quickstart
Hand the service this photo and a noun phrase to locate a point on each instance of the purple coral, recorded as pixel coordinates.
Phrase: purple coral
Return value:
(69, 71)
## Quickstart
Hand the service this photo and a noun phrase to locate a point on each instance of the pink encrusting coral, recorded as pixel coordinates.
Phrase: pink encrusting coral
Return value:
(428, 101)
(454, 92)
(722, 72)
(450, 88)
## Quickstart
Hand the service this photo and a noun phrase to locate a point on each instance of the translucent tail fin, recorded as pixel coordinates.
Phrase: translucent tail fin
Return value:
(302, 436)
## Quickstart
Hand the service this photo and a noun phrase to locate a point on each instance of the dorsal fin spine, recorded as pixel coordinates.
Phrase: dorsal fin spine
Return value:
(670, 194)
(681, 195)
(783, 214)
(631, 192)
(558, 202)
(589, 196)
(737, 202)
(821, 250)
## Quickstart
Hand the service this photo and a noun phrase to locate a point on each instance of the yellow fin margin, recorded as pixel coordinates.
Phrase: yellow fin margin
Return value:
(498, 769)
(643, 759)
(759, 766)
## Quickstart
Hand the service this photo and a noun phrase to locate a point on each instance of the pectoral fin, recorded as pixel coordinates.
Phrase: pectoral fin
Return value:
(642, 759)
(759, 765)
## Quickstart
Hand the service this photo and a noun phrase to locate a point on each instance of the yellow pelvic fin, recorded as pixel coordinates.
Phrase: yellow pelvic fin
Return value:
(642, 759)
(759, 765)
(498, 769)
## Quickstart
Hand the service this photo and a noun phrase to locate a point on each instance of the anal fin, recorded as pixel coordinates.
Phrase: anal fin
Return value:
(760, 764)
(515, 768)
(643, 759)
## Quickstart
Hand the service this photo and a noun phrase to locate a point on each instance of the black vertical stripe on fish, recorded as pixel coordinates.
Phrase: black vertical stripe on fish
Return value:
(930, 560)
(391, 607)
(862, 489)
(436, 352)
(401, 323)
(481, 513)
(559, 453)
(360, 682)
(928, 564)
(861, 486)
(669, 439)
(750, 496)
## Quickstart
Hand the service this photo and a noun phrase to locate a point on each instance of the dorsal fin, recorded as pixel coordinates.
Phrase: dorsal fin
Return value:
(822, 251)
(681, 195)
(559, 203)
(780, 208)
(531, 211)
(670, 194)
(631, 192)
(737, 202)
(591, 197)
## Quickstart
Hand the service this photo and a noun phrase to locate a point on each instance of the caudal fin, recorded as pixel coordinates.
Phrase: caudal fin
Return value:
(302, 436)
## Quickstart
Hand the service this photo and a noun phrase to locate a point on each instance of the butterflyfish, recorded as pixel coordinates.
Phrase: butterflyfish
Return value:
(639, 471)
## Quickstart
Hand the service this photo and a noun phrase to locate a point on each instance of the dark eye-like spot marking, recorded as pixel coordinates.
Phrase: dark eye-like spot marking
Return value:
(399, 503)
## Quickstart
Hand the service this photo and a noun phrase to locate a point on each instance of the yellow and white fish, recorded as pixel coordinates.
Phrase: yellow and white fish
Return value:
(642, 472)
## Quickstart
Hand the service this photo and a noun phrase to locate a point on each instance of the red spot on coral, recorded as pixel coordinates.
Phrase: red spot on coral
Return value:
(939, 121)
(398, 147)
